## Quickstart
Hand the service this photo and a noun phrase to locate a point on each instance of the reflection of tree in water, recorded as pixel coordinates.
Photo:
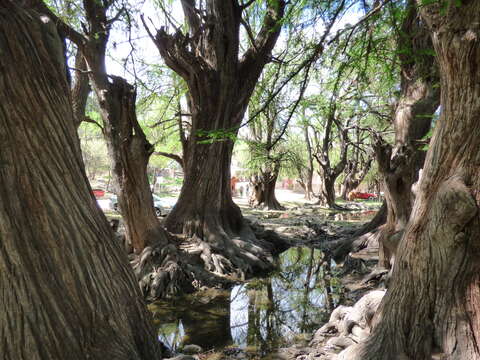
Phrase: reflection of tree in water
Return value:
(202, 319)
(297, 299)
(264, 314)
(263, 324)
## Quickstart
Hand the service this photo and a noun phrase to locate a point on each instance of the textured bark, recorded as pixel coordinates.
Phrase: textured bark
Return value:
(327, 190)
(80, 89)
(263, 187)
(128, 147)
(420, 97)
(129, 152)
(205, 211)
(156, 262)
(400, 164)
(220, 85)
(65, 286)
(432, 306)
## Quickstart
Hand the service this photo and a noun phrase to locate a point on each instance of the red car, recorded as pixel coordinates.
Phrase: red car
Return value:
(98, 193)
(359, 195)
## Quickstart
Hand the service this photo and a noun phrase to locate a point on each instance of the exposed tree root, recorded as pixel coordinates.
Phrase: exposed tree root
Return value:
(348, 325)
(366, 237)
(161, 272)
(185, 265)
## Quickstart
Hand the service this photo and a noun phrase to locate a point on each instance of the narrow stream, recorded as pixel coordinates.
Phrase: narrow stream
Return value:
(260, 315)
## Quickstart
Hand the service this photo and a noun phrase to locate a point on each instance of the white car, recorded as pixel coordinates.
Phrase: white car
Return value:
(158, 203)
(105, 204)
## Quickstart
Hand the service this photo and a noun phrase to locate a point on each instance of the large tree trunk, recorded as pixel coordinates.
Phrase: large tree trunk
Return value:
(66, 289)
(420, 99)
(263, 187)
(129, 152)
(349, 184)
(400, 164)
(205, 211)
(327, 171)
(432, 306)
(220, 85)
(327, 192)
(128, 148)
(156, 261)
(356, 171)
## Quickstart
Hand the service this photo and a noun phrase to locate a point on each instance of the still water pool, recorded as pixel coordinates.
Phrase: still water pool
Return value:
(262, 314)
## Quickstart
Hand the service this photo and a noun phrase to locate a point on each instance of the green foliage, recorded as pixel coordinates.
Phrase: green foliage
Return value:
(211, 136)
(358, 73)
(94, 150)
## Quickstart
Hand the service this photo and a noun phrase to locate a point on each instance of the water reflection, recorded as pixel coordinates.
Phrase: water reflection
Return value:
(262, 314)
(202, 319)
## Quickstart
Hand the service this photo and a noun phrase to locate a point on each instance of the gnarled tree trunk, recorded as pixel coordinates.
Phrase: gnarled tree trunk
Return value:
(420, 98)
(127, 144)
(220, 85)
(400, 164)
(329, 172)
(263, 187)
(129, 152)
(156, 262)
(432, 306)
(65, 286)
(328, 192)
(327, 189)
(206, 212)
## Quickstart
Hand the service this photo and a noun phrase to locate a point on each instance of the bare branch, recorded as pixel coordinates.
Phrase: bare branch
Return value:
(175, 157)
(80, 71)
(173, 50)
(247, 4)
(90, 120)
(353, 27)
(117, 15)
(259, 53)
(249, 32)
